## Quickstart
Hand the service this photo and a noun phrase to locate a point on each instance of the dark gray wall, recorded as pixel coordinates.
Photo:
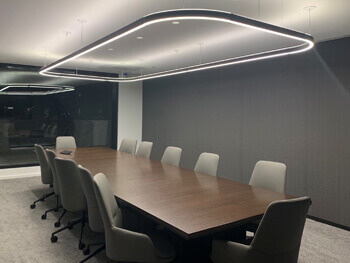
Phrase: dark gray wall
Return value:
(294, 110)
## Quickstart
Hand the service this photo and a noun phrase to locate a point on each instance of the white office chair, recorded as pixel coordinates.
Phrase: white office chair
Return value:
(53, 132)
(128, 146)
(145, 149)
(65, 142)
(51, 158)
(207, 163)
(172, 155)
(72, 195)
(277, 240)
(94, 215)
(269, 175)
(123, 244)
(46, 174)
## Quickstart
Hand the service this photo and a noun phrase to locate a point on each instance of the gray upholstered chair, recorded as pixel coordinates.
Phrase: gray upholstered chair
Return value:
(51, 157)
(207, 163)
(144, 149)
(128, 146)
(46, 175)
(53, 132)
(172, 155)
(65, 142)
(269, 175)
(72, 195)
(94, 215)
(123, 244)
(277, 240)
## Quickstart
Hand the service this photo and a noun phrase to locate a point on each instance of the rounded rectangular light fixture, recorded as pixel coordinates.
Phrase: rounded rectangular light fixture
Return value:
(45, 90)
(306, 43)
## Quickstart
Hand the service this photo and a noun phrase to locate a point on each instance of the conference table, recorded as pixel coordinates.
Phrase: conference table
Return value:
(188, 203)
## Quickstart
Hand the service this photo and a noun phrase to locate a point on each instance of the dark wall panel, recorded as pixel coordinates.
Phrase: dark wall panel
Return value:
(294, 110)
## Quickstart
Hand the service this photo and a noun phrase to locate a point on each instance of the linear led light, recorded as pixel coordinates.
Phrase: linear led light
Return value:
(306, 43)
(53, 90)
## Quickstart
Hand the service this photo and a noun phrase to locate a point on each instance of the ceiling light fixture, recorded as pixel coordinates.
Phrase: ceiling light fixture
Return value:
(175, 22)
(47, 89)
(139, 37)
(306, 43)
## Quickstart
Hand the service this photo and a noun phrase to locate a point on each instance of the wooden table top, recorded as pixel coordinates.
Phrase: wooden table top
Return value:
(188, 203)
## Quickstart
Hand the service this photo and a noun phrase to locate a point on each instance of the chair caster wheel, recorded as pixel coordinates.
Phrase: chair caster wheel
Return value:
(81, 246)
(32, 206)
(70, 227)
(57, 224)
(43, 217)
(55, 210)
(54, 239)
(86, 251)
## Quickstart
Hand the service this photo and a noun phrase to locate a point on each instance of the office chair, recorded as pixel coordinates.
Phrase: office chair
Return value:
(51, 155)
(145, 149)
(207, 163)
(46, 175)
(277, 240)
(268, 175)
(128, 146)
(123, 244)
(72, 196)
(65, 142)
(94, 215)
(172, 155)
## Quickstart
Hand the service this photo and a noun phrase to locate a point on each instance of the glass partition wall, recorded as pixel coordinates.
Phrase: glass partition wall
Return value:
(85, 113)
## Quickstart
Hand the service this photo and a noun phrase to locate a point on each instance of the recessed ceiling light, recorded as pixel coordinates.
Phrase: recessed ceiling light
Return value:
(139, 37)
(175, 22)
(110, 49)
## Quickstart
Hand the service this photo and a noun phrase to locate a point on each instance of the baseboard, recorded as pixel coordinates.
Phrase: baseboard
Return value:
(7, 166)
(22, 172)
(328, 222)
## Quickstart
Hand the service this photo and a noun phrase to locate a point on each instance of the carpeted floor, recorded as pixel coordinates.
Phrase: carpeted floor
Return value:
(25, 238)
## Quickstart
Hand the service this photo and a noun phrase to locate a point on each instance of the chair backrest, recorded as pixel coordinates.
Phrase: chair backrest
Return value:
(53, 132)
(110, 212)
(128, 146)
(269, 175)
(71, 191)
(121, 244)
(172, 155)
(46, 130)
(51, 155)
(65, 142)
(281, 228)
(46, 174)
(207, 163)
(94, 214)
(145, 149)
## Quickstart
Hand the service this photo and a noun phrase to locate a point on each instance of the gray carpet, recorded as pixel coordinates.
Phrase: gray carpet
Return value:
(24, 237)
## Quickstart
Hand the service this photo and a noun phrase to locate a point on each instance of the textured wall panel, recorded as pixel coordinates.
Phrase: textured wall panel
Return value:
(294, 110)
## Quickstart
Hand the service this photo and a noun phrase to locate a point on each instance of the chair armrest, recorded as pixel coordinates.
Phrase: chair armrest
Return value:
(226, 251)
(133, 246)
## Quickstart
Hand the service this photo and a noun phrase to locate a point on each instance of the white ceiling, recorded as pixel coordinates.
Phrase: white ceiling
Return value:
(29, 27)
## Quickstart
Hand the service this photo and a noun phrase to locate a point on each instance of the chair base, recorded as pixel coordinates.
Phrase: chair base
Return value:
(100, 249)
(70, 225)
(41, 199)
(55, 209)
